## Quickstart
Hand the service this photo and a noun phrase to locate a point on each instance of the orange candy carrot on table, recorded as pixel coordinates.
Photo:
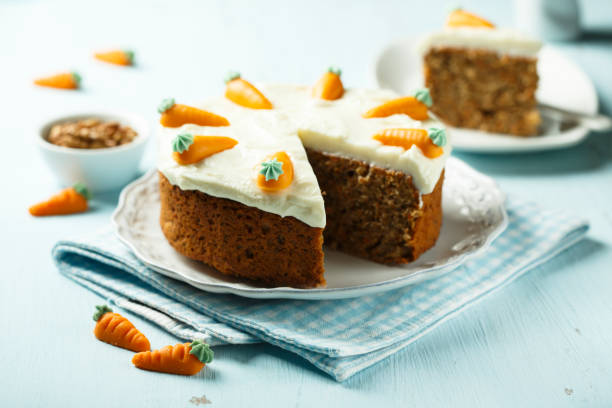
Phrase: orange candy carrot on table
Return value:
(115, 329)
(430, 142)
(329, 86)
(276, 173)
(117, 57)
(462, 18)
(414, 106)
(183, 359)
(189, 149)
(64, 80)
(176, 115)
(68, 201)
(243, 93)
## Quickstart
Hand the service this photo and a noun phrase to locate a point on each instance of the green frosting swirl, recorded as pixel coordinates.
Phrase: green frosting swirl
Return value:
(437, 136)
(165, 105)
(101, 310)
(130, 55)
(271, 169)
(231, 75)
(423, 95)
(182, 142)
(201, 351)
(334, 70)
(77, 78)
(82, 190)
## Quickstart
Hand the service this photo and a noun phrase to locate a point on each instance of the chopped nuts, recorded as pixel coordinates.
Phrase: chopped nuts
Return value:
(90, 134)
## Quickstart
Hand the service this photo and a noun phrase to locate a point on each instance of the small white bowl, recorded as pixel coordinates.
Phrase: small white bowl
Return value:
(103, 169)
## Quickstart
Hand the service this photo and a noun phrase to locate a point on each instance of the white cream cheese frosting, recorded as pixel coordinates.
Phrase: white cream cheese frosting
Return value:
(501, 40)
(297, 120)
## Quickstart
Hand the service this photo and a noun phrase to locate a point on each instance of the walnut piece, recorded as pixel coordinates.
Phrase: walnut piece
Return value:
(90, 133)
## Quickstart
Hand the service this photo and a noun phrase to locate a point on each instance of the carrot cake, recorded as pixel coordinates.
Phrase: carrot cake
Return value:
(482, 77)
(253, 182)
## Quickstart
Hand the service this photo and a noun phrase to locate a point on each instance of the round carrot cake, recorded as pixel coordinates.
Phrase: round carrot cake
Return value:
(255, 181)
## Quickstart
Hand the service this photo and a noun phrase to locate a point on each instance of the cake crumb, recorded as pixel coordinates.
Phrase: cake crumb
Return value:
(569, 391)
(200, 400)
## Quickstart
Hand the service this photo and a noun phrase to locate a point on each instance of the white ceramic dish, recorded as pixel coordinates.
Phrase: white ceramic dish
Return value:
(562, 84)
(474, 215)
(100, 169)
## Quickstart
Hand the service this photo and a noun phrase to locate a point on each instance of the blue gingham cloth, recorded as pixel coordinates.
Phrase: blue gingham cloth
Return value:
(340, 337)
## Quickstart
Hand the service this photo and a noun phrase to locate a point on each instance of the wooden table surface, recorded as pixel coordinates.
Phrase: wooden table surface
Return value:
(543, 341)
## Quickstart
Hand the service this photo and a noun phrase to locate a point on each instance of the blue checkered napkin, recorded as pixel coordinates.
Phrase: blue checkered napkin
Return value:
(341, 337)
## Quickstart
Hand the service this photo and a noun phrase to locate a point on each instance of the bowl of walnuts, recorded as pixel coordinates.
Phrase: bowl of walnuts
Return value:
(102, 150)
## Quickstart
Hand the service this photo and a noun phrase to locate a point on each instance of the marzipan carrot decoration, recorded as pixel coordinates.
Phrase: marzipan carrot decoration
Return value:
(189, 149)
(414, 106)
(183, 359)
(429, 142)
(329, 86)
(276, 173)
(115, 329)
(68, 201)
(176, 115)
(243, 93)
(461, 18)
(117, 57)
(65, 80)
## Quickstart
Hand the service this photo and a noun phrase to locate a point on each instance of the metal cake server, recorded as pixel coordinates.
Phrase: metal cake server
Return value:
(568, 119)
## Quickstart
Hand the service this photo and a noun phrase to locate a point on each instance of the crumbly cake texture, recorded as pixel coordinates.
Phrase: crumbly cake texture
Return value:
(376, 213)
(482, 89)
(241, 241)
(373, 213)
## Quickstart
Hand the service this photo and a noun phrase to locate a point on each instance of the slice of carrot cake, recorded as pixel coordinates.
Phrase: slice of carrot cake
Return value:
(253, 182)
(482, 77)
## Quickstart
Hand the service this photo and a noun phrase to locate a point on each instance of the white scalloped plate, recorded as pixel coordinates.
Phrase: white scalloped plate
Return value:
(562, 84)
(474, 215)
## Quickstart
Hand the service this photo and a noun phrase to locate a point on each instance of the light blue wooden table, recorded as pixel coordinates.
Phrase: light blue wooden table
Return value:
(543, 341)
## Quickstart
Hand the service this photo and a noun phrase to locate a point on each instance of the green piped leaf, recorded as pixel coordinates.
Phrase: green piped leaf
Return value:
(271, 169)
(77, 78)
(165, 105)
(81, 188)
(101, 310)
(202, 351)
(231, 75)
(423, 95)
(130, 55)
(335, 70)
(451, 8)
(182, 142)
(437, 136)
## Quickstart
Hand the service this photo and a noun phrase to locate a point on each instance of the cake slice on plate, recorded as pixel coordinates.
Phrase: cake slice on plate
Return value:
(482, 77)
(270, 172)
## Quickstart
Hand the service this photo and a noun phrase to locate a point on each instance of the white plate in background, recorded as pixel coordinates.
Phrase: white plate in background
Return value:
(474, 215)
(562, 84)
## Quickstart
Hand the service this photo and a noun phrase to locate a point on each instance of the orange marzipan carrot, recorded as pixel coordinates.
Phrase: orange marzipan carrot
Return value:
(176, 115)
(112, 328)
(407, 137)
(462, 18)
(64, 80)
(183, 359)
(408, 105)
(276, 174)
(117, 57)
(329, 86)
(245, 94)
(68, 201)
(188, 149)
